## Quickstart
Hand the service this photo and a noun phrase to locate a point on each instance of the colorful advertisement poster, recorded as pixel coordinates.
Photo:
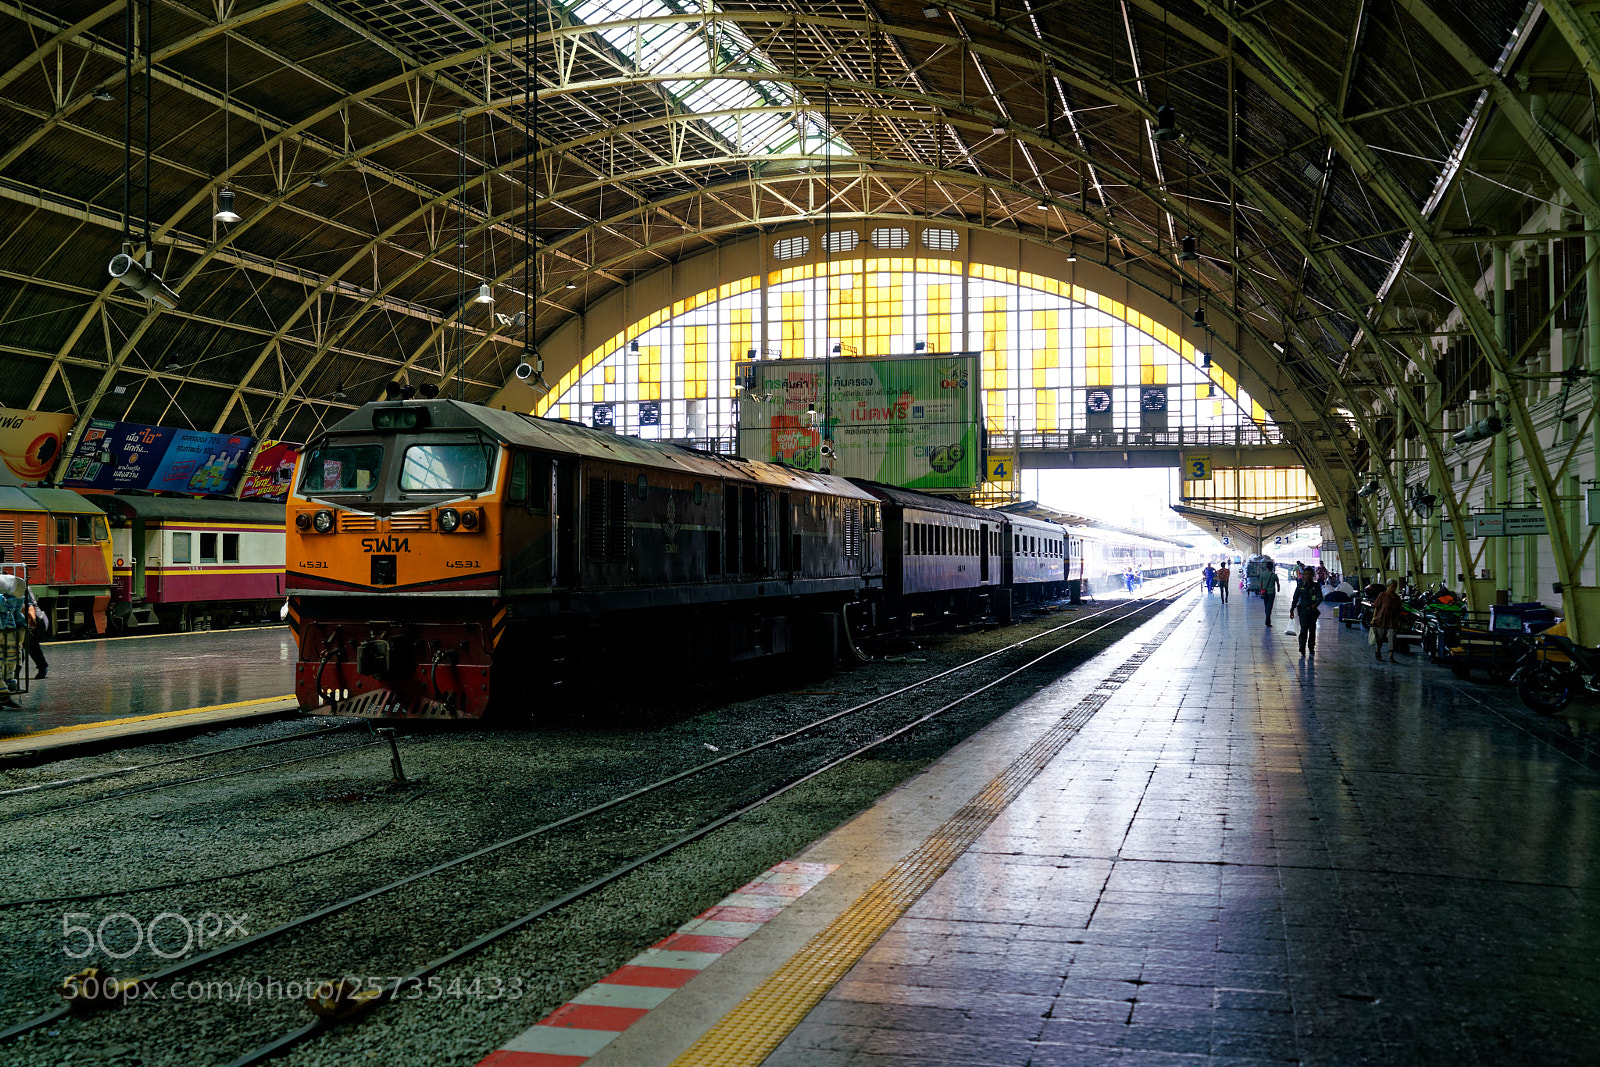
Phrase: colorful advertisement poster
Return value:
(910, 421)
(269, 476)
(31, 441)
(124, 455)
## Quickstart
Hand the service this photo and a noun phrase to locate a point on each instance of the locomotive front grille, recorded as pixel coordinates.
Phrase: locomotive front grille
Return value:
(415, 520)
(352, 522)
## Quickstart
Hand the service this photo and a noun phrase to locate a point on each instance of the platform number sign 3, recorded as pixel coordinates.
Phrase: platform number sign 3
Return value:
(1197, 468)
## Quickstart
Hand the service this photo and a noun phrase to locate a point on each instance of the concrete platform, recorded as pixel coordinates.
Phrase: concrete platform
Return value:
(109, 691)
(1202, 848)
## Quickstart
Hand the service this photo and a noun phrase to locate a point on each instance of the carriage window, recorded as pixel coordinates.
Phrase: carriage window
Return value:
(208, 548)
(180, 547)
(102, 531)
(85, 530)
(230, 548)
(445, 468)
(342, 469)
(63, 530)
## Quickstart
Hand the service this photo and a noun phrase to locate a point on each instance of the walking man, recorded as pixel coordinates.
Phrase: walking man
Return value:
(1223, 574)
(1269, 587)
(1387, 613)
(1211, 577)
(1306, 604)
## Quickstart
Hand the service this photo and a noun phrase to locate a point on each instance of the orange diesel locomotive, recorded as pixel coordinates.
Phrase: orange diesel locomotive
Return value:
(440, 555)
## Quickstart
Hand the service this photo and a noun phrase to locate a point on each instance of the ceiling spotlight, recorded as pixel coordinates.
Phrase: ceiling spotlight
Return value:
(225, 212)
(1166, 123)
(103, 95)
(503, 320)
(1368, 489)
(485, 295)
(920, 346)
(1072, 253)
(572, 285)
(997, 130)
(319, 182)
(174, 365)
(1311, 173)
(142, 280)
(1043, 205)
(931, 12)
(338, 391)
(1188, 254)
(1199, 317)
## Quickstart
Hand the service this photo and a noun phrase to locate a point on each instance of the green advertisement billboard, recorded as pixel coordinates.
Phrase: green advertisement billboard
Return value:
(910, 421)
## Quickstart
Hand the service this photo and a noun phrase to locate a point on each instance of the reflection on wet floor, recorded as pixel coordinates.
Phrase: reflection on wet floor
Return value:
(93, 681)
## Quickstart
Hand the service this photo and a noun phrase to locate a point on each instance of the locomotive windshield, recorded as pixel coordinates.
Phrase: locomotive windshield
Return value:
(342, 469)
(445, 468)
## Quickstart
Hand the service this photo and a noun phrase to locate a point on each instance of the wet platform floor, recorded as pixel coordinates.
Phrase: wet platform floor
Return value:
(1251, 857)
(103, 679)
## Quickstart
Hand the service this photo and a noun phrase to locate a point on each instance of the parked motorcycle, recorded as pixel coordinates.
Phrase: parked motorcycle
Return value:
(1547, 686)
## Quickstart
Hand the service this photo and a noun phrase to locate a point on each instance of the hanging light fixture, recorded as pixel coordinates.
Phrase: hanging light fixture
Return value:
(485, 295)
(1188, 255)
(1199, 317)
(1166, 123)
(225, 212)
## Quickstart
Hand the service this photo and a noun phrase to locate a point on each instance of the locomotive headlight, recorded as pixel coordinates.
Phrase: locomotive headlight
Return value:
(323, 521)
(302, 521)
(449, 519)
(469, 519)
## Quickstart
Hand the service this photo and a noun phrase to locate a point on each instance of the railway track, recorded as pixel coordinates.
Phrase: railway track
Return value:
(570, 857)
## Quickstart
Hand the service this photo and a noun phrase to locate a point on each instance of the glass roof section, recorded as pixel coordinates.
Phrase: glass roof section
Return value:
(685, 48)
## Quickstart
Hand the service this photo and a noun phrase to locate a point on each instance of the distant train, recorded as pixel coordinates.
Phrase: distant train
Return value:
(64, 543)
(104, 563)
(445, 559)
(185, 564)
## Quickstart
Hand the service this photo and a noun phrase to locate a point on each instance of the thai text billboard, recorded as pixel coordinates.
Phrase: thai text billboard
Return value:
(910, 421)
(268, 477)
(126, 455)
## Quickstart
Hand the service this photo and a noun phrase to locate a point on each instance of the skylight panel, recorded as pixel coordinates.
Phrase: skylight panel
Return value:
(685, 49)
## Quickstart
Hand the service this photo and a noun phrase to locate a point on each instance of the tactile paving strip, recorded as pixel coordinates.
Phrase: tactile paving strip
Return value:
(749, 1033)
(591, 1020)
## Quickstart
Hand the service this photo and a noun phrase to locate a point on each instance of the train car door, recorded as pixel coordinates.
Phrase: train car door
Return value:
(786, 554)
(983, 552)
(526, 526)
(567, 520)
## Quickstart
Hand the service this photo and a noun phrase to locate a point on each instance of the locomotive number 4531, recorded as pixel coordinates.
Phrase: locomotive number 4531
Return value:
(462, 564)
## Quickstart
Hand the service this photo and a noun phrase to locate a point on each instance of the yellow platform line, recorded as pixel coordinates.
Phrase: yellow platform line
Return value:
(759, 1023)
(146, 718)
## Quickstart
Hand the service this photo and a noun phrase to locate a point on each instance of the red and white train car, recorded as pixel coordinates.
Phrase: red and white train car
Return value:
(191, 564)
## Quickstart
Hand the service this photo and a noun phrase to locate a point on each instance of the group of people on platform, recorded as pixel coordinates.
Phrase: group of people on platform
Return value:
(1305, 605)
(20, 622)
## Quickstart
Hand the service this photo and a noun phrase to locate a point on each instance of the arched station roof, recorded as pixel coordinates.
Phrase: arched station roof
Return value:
(1342, 167)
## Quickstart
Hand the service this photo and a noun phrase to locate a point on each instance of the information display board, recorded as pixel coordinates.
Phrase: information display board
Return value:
(31, 441)
(909, 421)
(1524, 522)
(1488, 524)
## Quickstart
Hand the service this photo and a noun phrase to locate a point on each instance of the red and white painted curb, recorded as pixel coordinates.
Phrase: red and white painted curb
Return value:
(591, 1020)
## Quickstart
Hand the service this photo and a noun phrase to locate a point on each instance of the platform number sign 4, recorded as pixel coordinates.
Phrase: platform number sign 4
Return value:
(1197, 467)
(1000, 468)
